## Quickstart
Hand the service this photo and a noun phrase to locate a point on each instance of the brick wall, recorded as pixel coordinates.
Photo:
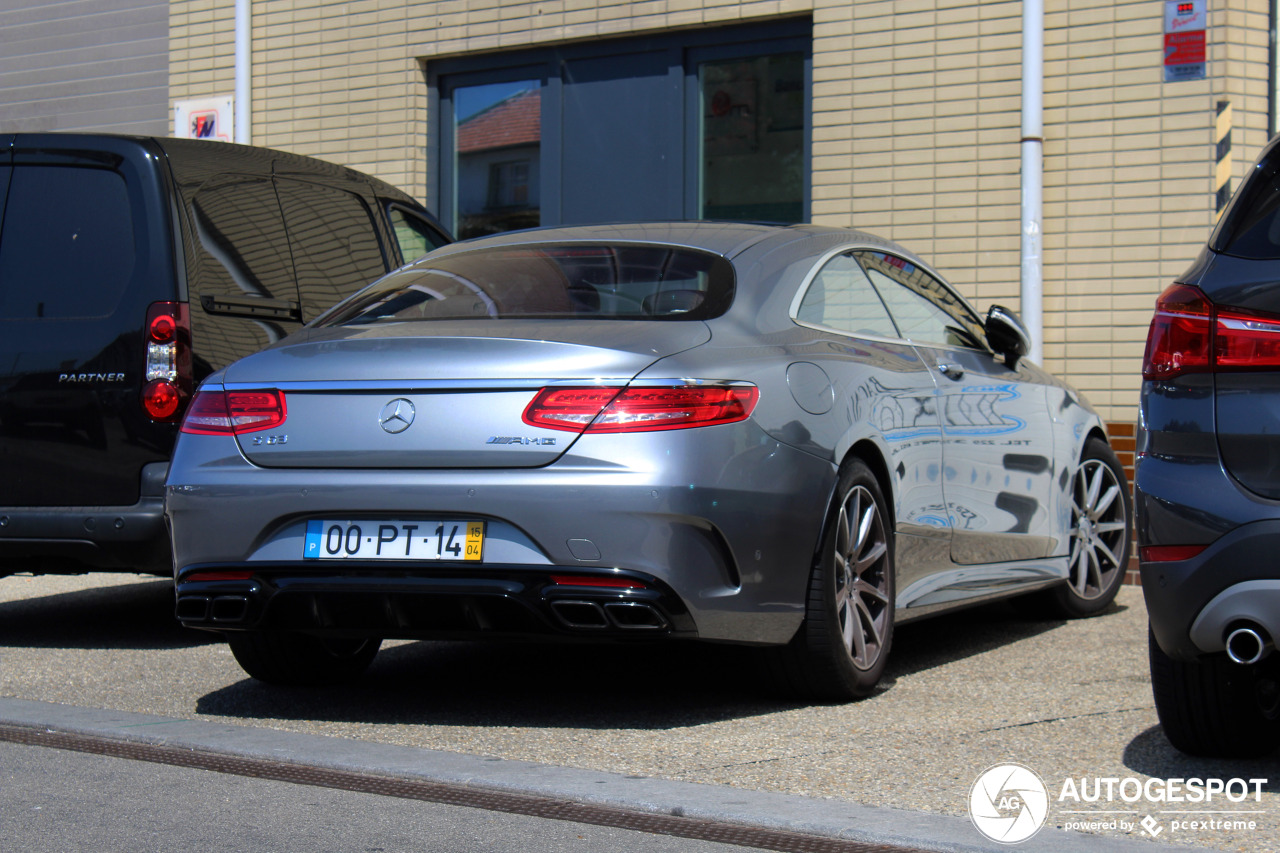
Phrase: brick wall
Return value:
(916, 127)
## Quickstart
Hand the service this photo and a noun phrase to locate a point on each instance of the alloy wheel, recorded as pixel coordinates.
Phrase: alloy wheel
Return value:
(862, 578)
(1099, 528)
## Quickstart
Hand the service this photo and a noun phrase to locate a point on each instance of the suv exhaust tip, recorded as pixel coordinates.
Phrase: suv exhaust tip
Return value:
(1248, 644)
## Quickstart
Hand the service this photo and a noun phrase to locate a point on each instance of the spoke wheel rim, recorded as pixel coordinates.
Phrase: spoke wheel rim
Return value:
(861, 569)
(1099, 525)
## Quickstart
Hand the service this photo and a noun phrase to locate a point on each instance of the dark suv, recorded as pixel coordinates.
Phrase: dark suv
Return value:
(1208, 483)
(130, 268)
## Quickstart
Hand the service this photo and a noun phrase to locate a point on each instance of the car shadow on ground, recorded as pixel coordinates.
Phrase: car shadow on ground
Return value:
(572, 685)
(129, 616)
(941, 640)
(1150, 753)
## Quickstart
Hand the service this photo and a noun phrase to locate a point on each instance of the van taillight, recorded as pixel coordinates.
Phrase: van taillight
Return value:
(1190, 334)
(167, 371)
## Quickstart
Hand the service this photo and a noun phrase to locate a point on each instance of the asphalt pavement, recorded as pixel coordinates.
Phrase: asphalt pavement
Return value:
(691, 730)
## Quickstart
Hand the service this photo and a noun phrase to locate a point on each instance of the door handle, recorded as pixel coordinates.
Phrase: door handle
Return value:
(951, 371)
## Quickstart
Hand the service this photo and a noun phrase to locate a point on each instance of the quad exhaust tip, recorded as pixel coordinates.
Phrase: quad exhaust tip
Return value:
(1248, 644)
(626, 615)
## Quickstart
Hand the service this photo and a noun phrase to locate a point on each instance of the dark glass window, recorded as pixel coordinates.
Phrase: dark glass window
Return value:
(498, 140)
(68, 247)
(414, 236)
(840, 297)
(924, 309)
(335, 244)
(1251, 227)
(590, 282)
(753, 112)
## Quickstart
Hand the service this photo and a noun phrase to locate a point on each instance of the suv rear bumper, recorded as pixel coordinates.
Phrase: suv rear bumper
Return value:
(61, 540)
(1178, 592)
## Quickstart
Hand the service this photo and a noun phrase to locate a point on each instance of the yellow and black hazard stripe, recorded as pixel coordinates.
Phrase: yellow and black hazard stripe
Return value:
(1222, 167)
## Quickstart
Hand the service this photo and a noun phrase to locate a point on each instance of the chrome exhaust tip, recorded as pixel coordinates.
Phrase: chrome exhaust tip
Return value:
(1248, 644)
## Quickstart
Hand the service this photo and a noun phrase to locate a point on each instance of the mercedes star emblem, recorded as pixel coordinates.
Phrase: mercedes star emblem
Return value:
(396, 416)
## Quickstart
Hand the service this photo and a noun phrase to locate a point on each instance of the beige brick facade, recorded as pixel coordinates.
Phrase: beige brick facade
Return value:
(916, 127)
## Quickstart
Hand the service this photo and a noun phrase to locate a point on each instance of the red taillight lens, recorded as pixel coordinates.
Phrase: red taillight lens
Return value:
(589, 580)
(1190, 334)
(640, 409)
(162, 399)
(1169, 553)
(1179, 338)
(1246, 341)
(234, 412)
(167, 370)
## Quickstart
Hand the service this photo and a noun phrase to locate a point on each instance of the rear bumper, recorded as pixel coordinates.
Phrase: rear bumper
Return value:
(1227, 575)
(370, 600)
(725, 519)
(59, 540)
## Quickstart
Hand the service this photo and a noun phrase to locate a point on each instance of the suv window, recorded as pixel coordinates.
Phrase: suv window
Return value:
(68, 248)
(1251, 228)
(925, 310)
(579, 281)
(841, 297)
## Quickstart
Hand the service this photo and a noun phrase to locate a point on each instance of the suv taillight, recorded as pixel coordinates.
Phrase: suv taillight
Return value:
(234, 412)
(1189, 334)
(167, 371)
(596, 409)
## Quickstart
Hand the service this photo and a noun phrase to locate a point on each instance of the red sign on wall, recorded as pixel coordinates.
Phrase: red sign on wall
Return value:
(1185, 25)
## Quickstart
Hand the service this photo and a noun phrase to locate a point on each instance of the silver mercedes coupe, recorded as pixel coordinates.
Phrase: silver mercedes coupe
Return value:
(789, 437)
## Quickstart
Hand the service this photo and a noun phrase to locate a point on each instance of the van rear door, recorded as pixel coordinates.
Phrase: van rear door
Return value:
(86, 246)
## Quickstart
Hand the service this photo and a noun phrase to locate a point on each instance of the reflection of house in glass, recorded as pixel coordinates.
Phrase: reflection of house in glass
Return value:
(498, 151)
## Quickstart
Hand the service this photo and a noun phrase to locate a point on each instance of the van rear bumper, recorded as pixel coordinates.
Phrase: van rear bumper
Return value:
(72, 540)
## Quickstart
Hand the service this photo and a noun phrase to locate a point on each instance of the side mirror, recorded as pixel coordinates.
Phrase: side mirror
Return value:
(1006, 334)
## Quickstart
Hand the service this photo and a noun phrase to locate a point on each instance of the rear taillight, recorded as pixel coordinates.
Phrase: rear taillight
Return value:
(616, 409)
(1189, 334)
(167, 371)
(234, 412)
(1180, 335)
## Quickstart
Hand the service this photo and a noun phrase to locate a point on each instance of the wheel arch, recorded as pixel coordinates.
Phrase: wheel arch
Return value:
(869, 453)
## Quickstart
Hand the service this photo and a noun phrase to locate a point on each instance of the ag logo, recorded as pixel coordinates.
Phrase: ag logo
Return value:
(1008, 803)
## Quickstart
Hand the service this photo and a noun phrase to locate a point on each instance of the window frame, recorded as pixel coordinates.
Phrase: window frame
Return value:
(685, 51)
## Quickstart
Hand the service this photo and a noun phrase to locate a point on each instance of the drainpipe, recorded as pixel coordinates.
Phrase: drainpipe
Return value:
(1033, 174)
(244, 68)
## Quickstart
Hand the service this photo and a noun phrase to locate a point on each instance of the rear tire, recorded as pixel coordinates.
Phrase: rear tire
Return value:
(1100, 532)
(289, 658)
(841, 649)
(1215, 708)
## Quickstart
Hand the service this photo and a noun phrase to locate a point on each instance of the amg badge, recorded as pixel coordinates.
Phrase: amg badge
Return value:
(516, 439)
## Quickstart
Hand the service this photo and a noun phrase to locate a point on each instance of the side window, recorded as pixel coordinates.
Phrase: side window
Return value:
(243, 259)
(925, 309)
(335, 243)
(69, 245)
(840, 297)
(414, 235)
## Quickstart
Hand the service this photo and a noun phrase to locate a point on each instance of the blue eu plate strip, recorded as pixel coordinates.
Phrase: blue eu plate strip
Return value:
(311, 550)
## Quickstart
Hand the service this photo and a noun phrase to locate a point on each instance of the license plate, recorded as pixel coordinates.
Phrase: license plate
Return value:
(394, 540)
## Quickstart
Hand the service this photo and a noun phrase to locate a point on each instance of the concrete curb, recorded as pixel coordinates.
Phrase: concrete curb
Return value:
(823, 817)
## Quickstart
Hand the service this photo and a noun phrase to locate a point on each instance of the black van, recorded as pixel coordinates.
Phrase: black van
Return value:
(131, 268)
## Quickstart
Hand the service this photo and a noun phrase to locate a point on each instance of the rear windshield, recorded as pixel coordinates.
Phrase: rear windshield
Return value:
(553, 282)
(1251, 226)
(68, 248)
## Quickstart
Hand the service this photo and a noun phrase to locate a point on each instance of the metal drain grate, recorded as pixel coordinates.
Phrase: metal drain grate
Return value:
(449, 794)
